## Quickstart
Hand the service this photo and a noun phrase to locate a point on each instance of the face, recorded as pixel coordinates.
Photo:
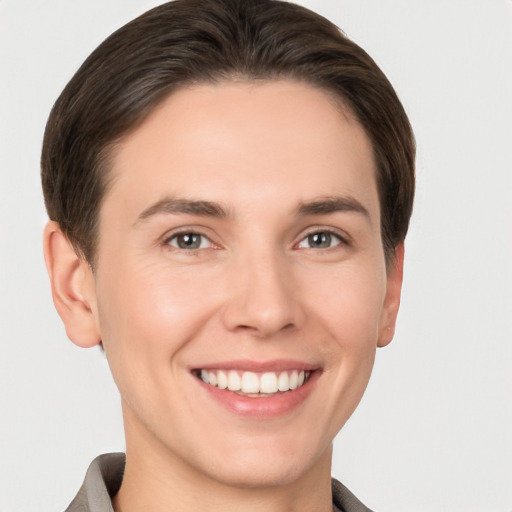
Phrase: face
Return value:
(241, 287)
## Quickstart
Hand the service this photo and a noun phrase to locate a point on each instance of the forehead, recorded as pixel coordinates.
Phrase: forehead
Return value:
(267, 140)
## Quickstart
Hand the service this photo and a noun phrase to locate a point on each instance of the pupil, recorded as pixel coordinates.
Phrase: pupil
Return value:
(189, 241)
(320, 240)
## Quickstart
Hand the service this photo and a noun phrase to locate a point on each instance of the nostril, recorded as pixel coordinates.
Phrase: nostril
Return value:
(264, 330)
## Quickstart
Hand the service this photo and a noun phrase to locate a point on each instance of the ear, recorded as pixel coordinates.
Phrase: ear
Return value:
(73, 288)
(392, 300)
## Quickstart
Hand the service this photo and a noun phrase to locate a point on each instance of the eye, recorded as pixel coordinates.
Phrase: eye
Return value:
(320, 240)
(189, 241)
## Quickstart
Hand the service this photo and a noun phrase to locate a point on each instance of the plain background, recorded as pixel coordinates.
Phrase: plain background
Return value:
(434, 430)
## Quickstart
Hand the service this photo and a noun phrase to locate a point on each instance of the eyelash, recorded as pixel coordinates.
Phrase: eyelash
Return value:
(329, 234)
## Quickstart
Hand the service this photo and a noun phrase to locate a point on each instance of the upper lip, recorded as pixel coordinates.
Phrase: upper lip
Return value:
(275, 365)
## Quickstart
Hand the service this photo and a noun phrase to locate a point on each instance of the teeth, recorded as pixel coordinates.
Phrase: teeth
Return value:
(294, 379)
(234, 383)
(222, 380)
(283, 383)
(252, 383)
(268, 383)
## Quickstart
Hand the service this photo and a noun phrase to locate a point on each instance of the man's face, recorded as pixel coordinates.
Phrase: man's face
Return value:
(240, 244)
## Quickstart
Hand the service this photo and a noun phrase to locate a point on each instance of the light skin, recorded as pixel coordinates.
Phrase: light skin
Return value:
(242, 230)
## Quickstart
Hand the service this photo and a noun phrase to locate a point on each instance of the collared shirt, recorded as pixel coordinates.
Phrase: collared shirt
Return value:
(105, 474)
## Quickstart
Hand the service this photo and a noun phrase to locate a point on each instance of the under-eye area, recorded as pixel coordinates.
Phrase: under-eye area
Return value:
(254, 383)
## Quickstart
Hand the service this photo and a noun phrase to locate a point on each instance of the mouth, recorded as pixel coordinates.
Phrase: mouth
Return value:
(258, 390)
(254, 384)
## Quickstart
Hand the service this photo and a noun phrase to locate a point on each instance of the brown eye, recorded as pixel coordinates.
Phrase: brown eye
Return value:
(189, 241)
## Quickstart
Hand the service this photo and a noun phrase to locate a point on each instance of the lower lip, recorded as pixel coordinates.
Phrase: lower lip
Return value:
(262, 407)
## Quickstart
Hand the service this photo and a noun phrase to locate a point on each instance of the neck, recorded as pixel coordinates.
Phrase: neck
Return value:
(156, 479)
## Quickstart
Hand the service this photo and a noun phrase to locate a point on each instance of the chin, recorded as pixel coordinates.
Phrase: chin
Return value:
(265, 474)
(268, 467)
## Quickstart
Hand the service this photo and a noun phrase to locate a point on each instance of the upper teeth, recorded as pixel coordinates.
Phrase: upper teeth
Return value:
(251, 382)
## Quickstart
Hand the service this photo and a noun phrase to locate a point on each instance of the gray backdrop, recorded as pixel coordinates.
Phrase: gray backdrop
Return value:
(434, 431)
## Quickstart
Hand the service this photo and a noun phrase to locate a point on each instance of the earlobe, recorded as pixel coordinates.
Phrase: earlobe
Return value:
(72, 285)
(392, 299)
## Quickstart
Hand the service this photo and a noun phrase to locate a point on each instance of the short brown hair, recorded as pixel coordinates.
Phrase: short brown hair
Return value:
(199, 41)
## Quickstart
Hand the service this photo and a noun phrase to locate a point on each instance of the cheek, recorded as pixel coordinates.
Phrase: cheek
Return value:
(350, 301)
(150, 299)
(146, 317)
(350, 308)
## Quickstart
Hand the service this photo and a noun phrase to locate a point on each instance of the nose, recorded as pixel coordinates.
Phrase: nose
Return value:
(263, 298)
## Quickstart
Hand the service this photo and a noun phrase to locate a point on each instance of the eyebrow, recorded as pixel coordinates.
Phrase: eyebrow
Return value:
(332, 204)
(323, 206)
(190, 206)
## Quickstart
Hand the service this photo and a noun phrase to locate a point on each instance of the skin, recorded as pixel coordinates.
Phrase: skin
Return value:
(256, 289)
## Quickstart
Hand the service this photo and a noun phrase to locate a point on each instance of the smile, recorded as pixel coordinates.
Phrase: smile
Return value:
(254, 384)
